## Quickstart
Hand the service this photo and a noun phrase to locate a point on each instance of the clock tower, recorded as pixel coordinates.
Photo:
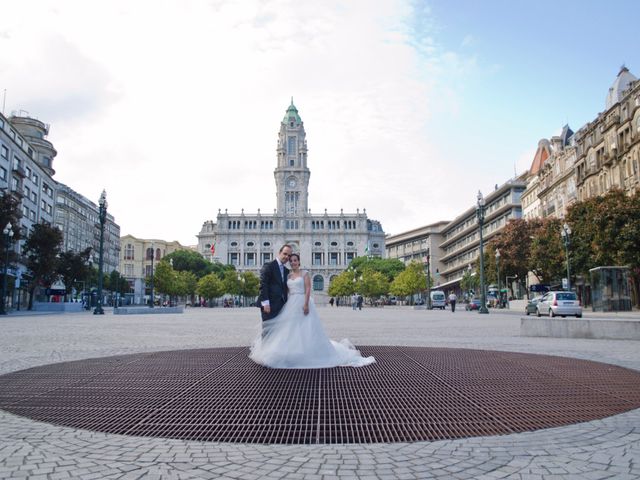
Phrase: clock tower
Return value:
(292, 174)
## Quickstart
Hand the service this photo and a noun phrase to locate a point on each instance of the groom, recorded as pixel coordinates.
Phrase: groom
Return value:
(273, 284)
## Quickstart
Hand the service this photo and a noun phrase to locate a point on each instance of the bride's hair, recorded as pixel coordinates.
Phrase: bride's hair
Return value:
(297, 255)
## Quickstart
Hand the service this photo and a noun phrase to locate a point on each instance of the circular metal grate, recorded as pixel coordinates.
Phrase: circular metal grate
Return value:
(410, 394)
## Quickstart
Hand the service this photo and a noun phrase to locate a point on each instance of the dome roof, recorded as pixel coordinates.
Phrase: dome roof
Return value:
(621, 83)
(292, 114)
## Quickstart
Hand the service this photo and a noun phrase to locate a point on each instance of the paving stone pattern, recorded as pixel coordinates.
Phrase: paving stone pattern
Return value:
(606, 448)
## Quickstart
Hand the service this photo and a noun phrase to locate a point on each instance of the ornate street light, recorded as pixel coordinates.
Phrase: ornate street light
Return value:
(566, 238)
(102, 216)
(241, 284)
(8, 234)
(153, 254)
(498, 276)
(426, 262)
(171, 303)
(480, 211)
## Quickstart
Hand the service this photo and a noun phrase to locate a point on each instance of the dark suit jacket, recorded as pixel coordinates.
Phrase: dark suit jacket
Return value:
(272, 288)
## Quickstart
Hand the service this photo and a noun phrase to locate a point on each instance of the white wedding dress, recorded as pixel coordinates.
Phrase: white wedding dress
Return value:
(295, 340)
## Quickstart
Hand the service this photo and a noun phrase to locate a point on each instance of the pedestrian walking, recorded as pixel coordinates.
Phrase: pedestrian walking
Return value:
(452, 301)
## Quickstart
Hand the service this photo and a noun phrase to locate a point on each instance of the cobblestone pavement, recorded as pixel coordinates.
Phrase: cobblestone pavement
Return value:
(607, 448)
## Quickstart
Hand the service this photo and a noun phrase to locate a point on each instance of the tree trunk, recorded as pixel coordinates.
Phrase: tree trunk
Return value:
(635, 287)
(31, 290)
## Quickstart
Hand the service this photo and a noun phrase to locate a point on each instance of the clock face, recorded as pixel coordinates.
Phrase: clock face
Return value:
(292, 182)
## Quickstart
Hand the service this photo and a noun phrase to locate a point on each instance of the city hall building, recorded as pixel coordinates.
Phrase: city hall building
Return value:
(327, 243)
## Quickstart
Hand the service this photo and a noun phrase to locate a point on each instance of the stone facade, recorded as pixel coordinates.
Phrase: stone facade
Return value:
(602, 155)
(26, 170)
(78, 219)
(139, 257)
(608, 149)
(419, 245)
(557, 178)
(326, 242)
(461, 237)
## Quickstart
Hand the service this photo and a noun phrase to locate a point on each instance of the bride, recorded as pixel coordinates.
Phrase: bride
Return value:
(296, 337)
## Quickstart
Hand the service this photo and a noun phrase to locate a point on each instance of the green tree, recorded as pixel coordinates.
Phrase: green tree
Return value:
(187, 284)
(373, 285)
(605, 232)
(190, 261)
(249, 284)
(389, 267)
(220, 269)
(547, 257)
(73, 267)
(42, 248)
(514, 242)
(342, 285)
(119, 286)
(10, 213)
(230, 282)
(165, 280)
(410, 281)
(470, 281)
(210, 287)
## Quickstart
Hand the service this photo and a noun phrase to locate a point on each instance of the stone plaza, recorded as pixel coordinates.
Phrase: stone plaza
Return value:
(605, 448)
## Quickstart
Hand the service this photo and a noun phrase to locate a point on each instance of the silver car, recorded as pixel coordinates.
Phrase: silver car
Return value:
(559, 303)
(532, 305)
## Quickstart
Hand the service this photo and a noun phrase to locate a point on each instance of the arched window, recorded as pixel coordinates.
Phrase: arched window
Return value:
(158, 254)
(318, 283)
(149, 255)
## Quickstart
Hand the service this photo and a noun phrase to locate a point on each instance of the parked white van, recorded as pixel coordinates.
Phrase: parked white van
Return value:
(438, 299)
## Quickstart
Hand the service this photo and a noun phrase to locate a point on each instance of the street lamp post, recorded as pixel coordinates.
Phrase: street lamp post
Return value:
(241, 281)
(171, 303)
(8, 234)
(153, 254)
(566, 238)
(498, 277)
(506, 281)
(426, 261)
(102, 215)
(480, 211)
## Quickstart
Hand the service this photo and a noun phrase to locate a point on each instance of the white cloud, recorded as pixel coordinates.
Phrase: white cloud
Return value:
(174, 107)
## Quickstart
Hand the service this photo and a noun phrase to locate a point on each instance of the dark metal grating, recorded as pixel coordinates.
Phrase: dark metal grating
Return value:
(410, 394)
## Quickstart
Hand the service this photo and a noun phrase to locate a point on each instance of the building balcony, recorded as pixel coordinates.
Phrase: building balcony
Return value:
(19, 171)
(611, 121)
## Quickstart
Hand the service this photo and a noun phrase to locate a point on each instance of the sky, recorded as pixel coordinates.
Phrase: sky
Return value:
(410, 107)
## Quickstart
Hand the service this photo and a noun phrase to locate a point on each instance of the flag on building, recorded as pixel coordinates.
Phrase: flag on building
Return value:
(213, 248)
(366, 249)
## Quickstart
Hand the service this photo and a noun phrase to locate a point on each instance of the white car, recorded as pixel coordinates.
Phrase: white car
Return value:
(559, 303)
(438, 300)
